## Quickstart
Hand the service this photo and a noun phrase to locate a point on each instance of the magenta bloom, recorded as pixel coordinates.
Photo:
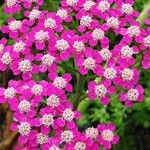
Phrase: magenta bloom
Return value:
(91, 61)
(107, 136)
(135, 94)
(15, 27)
(12, 6)
(100, 91)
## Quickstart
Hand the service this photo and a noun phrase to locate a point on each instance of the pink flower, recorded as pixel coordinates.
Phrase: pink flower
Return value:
(100, 91)
(90, 60)
(107, 136)
(135, 94)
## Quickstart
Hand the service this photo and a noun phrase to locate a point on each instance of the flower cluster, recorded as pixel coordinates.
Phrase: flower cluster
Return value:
(84, 33)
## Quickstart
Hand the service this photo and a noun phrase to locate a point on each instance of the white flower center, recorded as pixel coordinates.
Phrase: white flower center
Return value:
(42, 138)
(41, 36)
(24, 128)
(105, 54)
(126, 52)
(11, 3)
(19, 46)
(98, 34)
(71, 2)
(133, 94)
(85, 21)
(60, 82)
(79, 46)
(62, 13)
(103, 5)
(127, 9)
(62, 45)
(15, 25)
(6, 58)
(25, 66)
(68, 115)
(9, 92)
(110, 73)
(107, 135)
(113, 22)
(1, 48)
(34, 14)
(48, 60)
(100, 90)
(53, 101)
(37, 89)
(24, 106)
(88, 5)
(133, 31)
(80, 146)
(127, 74)
(47, 120)
(89, 63)
(91, 132)
(50, 23)
(54, 148)
(67, 136)
(147, 41)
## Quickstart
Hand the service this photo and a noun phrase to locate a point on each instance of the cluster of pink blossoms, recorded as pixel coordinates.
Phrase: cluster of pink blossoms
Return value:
(43, 114)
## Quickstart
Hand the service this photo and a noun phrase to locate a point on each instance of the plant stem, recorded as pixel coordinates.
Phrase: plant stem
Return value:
(79, 86)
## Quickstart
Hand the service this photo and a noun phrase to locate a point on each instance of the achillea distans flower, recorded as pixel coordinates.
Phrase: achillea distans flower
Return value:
(19, 46)
(47, 119)
(24, 128)
(11, 3)
(71, 2)
(37, 89)
(126, 52)
(113, 22)
(41, 36)
(147, 41)
(42, 138)
(100, 91)
(68, 115)
(60, 82)
(91, 133)
(15, 25)
(63, 14)
(6, 58)
(24, 106)
(89, 63)
(67, 136)
(50, 23)
(54, 148)
(10, 92)
(135, 94)
(25, 66)
(1, 48)
(127, 74)
(103, 5)
(97, 34)
(47, 59)
(86, 21)
(107, 135)
(62, 45)
(110, 73)
(105, 54)
(53, 101)
(88, 5)
(127, 9)
(133, 31)
(34, 14)
(79, 46)
(80, 146)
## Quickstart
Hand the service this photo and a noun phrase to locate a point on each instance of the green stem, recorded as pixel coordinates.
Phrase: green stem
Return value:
(79, 86)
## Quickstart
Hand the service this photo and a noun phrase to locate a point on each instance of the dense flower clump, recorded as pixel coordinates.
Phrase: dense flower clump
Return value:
(44, 42)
